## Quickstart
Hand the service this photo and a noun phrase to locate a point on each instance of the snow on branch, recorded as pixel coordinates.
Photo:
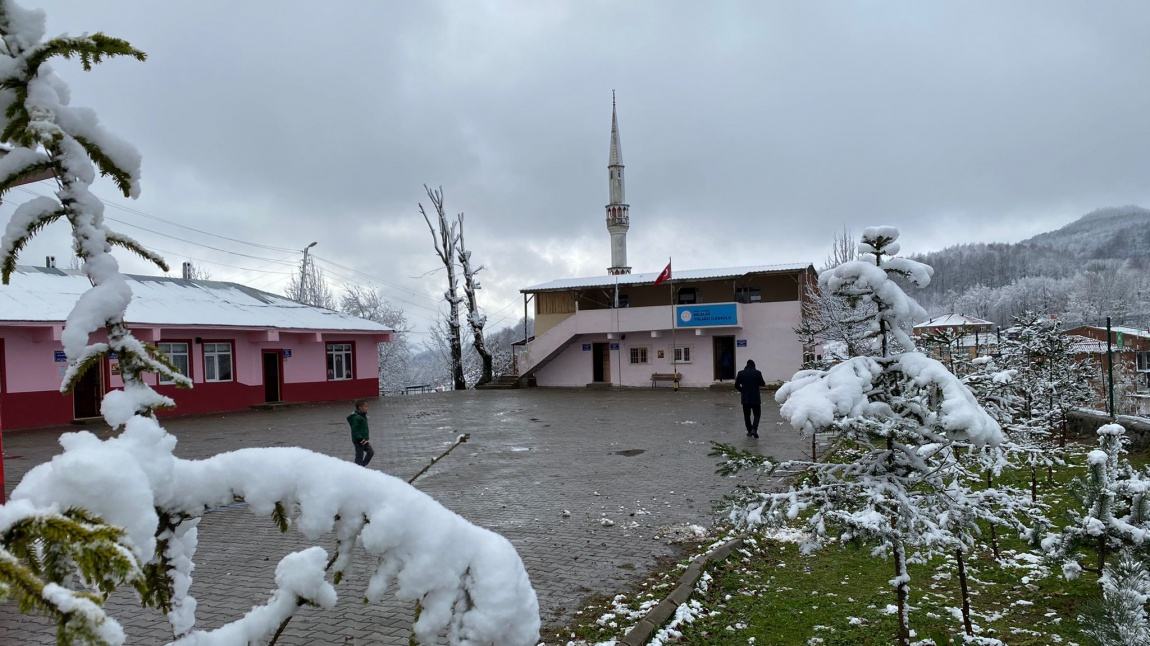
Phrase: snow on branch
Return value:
(470, 582)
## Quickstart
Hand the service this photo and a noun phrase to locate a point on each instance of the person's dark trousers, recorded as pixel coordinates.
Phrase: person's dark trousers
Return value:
(752, 426)
(363, 453)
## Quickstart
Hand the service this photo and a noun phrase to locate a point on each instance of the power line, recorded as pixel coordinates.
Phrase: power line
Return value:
(129, 209)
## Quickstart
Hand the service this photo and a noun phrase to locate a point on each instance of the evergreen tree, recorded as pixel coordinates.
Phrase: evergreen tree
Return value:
(900, 414)
(1049, 382)
(1115, 509)
(1120, 619)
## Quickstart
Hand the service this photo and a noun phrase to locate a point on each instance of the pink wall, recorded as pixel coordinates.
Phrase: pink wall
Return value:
(768, 329)
(32, 375)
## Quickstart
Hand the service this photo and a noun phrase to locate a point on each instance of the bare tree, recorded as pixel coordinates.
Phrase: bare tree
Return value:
(445, 239)
(395, 370)
(474, 317)
(310, 287)
(843, 249)
(829, 321)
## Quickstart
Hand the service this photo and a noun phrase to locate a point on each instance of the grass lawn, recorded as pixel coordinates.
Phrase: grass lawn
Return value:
(768, 593)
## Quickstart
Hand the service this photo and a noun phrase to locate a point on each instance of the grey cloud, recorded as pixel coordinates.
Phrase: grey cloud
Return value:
(751, 130)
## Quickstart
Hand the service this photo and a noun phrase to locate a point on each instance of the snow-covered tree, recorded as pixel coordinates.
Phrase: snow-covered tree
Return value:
(1120, 619)
(1114, 515)
(66, 544)
(1050, 382)
(395, 370)
(475, 318)
(445, 237)
(899, 414)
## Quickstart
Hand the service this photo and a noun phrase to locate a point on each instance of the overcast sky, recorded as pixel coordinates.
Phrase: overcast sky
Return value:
(750, 131)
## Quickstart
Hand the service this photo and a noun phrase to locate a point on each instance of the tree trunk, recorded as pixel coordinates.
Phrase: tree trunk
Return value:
(993, 529)
(902, 593)
(965, 592)
(446, 240)
(474, 318)
(1033, 483)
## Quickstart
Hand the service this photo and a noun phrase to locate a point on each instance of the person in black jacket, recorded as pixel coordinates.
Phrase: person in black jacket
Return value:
(748, 382)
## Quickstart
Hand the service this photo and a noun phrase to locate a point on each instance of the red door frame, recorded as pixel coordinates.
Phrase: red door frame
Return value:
(279, 354)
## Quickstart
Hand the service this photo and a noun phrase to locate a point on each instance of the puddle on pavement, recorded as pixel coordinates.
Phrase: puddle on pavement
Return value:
(630, 452)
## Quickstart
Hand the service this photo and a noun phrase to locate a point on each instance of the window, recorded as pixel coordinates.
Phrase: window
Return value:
(683, 354)
(688, 296)
(177, 353)
(338, 361)
(748, 295)
(638, 355)
(218, 361)
(1144, 362)
(624, 300)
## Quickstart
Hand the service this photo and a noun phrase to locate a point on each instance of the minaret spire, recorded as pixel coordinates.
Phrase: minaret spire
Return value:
(618, 211)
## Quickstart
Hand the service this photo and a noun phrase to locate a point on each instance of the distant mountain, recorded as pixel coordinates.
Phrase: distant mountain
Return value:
(1099, 259)
(1112, 233)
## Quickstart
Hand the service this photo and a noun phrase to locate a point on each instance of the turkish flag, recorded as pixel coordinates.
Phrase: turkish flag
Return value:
(665, 275)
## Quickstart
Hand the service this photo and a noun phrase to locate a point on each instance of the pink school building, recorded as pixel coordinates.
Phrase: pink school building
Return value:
(240, 346)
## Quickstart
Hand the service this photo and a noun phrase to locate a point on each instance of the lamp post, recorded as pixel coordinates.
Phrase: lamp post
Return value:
(303, 287)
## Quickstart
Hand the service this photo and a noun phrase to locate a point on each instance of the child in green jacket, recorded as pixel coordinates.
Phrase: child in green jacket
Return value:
(359, 433)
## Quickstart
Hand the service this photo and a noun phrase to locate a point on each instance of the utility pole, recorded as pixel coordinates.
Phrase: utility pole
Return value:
(305, 295)
(1110, 368)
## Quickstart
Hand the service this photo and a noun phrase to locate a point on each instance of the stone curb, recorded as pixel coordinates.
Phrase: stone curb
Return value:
(660, 614)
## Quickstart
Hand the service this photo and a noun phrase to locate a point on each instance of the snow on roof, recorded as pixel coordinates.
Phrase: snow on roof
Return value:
(678, 275)
(953, 320)
(1124, 330)
(1088, 345)
(39, 294)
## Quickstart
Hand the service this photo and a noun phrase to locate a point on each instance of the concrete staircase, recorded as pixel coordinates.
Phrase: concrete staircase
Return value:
(505, 382)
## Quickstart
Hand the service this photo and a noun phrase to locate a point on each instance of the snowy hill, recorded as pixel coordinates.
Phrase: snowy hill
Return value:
(1113, 232)
(1090, 268)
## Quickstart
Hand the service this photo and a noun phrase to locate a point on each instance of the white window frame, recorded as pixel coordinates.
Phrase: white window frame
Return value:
(1142, 361)
(212, 356)
(682, 354)
(187, 353)
(345, 351)
(638, 352)
(748, 295)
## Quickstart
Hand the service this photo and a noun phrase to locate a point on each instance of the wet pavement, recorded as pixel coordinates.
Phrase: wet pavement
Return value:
(636, 457)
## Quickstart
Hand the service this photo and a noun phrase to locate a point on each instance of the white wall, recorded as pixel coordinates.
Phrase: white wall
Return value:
(768, 329)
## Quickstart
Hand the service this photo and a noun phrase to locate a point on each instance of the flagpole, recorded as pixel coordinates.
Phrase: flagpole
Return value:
(671, 282)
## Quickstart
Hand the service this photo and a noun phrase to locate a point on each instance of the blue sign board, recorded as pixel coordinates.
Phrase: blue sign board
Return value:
(713, 315)
(586, 347)
(740, 343)
(59, 356)
(614, 346)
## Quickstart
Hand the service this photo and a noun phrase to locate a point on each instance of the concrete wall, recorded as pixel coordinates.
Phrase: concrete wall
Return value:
(1085, 424)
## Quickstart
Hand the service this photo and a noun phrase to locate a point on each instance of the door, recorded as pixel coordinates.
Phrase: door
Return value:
(87, 393)
(600, 362)
(724, 354)
(273, 376)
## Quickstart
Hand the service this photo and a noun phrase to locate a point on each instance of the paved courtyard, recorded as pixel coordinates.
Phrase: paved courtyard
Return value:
(638, 458)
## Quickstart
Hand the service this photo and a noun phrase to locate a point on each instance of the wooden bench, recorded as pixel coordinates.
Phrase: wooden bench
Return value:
(672, 377)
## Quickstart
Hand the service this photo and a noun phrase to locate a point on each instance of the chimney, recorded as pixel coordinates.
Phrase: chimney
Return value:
(187, 270)
(50, 262)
